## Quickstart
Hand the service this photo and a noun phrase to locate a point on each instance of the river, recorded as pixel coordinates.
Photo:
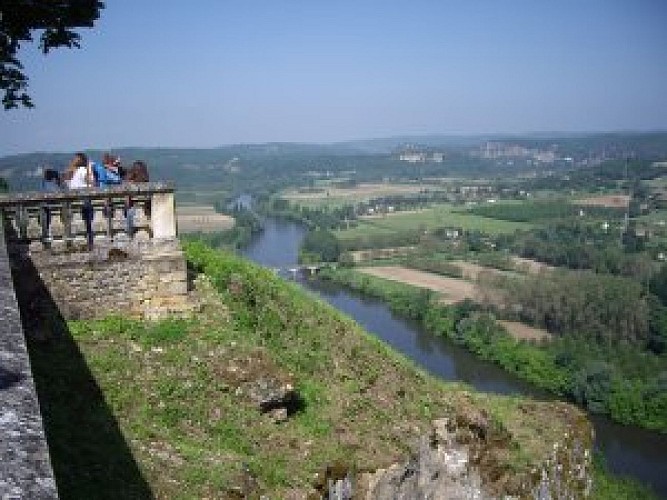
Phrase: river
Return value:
(628, 450)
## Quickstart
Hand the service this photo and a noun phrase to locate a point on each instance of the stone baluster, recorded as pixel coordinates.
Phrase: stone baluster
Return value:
(141, 221)
(21, 222)
(34, 230)
(77, 235)
(119, 221)
(100, 223)
(13, 216)
(57, 229)
(108, 215)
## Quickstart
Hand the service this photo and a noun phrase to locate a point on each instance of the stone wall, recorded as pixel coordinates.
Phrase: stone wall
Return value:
(145, 282)
(25, 467)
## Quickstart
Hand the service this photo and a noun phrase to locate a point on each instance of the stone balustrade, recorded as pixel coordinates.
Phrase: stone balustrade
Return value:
(71, 220)
(100, 251)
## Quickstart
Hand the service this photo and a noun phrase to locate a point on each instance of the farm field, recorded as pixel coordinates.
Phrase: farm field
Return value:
(438, 216)
(336, 196)
(452, 289)
(199, 196)
(608, 201)
(201, 218)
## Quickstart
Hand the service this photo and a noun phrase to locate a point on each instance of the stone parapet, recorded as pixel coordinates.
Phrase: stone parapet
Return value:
(74, 219)
(144, 281)
(100, 251)
(25, 466)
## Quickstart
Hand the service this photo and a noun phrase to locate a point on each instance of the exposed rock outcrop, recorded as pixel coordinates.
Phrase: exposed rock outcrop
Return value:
(258, 379)
(458, 460)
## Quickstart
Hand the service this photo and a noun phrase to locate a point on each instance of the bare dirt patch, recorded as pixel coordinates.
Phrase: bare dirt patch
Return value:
(202, 218)
(452, 289)
(472, 271)
(609, 201)
(519, 331)
(530, 266)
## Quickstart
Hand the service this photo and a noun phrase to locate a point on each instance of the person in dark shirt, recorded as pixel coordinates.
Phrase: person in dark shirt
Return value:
(138, 172)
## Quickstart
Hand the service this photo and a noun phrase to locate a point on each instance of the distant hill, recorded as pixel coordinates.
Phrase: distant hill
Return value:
(272, 165)
(643, 143)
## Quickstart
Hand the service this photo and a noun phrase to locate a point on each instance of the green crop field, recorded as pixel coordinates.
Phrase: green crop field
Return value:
(442, 215)
(331, 196)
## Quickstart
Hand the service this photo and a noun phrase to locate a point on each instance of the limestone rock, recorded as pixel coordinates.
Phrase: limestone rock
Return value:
(440, 469)
(257, 378)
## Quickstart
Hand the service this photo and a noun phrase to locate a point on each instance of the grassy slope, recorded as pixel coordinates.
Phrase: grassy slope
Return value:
(166, 392)
(606, 486)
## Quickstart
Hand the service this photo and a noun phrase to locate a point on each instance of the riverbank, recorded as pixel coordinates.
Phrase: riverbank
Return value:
(472, 326)
(186, 401)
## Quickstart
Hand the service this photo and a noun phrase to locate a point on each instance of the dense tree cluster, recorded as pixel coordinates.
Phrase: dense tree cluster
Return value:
(609, 310)
(320, 245)
(575, 244)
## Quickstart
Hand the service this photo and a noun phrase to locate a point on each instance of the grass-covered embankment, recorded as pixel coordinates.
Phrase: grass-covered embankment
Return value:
(603, 379)
(135, 409)
(483, 336)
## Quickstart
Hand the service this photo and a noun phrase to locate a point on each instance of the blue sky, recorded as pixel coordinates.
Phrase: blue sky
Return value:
(214, 72)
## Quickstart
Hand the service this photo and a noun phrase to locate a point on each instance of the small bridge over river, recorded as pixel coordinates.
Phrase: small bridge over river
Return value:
(303, 269)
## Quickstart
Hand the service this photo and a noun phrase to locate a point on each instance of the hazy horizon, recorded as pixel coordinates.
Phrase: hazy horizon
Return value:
(258, 72)
(398, 137)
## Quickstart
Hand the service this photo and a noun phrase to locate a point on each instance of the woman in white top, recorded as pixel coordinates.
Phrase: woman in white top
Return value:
(77, 173)
(78, 176)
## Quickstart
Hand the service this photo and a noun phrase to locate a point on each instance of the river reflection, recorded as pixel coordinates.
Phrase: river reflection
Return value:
(627, 450)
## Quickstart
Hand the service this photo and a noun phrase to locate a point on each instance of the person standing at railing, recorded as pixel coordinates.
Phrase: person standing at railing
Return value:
(78, 176)
(138, 172)
(108, 173)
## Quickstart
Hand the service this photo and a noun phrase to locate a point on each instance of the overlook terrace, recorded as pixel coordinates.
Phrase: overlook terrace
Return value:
(139, 272)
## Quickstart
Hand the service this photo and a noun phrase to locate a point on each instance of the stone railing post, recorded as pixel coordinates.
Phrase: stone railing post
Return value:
(163, 216)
